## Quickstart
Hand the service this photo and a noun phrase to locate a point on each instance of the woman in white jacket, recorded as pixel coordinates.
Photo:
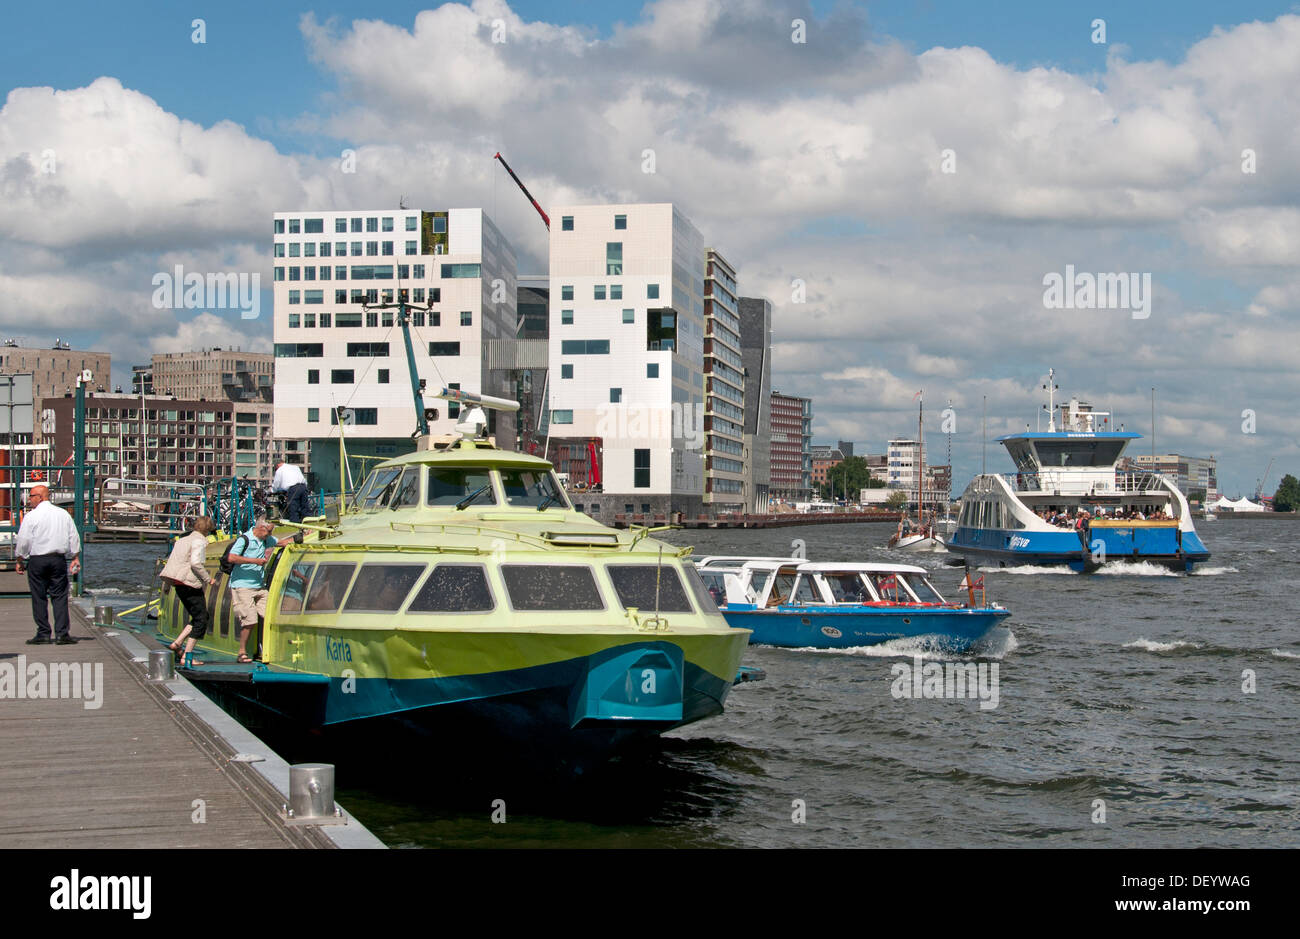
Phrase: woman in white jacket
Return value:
(186, 572)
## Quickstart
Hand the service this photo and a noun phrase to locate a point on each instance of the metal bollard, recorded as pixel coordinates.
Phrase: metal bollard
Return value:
(103, 616)
(311, 791)
(161, 665)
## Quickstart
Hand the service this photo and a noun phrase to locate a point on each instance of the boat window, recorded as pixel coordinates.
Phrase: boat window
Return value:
(1075, 452)
(382, 588)
(454, 588)
(888, 587)
(782, 584)
(295, 587)
(328, 587)
(407, 489)
(378, 488)
(923, 589)
(529, 489)
(847, 588)
(715, 588)
(805, 591)
(649, 587)
(449, 485)
(551, 587)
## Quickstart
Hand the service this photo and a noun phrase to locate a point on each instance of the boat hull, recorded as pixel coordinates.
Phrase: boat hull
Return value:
(953, 629)
(1165, 546)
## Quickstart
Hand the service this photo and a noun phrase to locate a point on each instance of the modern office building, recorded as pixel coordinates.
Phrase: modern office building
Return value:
(845, 447)
(756, 352)
(791, 447)
(1193, 475)
(905, 455)
(627, 358)
(333, 356)
(724, 390)
(214, 375)
(55, 370)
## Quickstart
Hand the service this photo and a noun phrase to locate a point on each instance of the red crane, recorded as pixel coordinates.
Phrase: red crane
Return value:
(524, 189)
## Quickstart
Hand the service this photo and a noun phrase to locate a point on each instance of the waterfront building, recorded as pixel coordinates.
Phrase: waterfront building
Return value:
(905, 455)
(336, 361)
(724, 389)
(823, 458)
(626, 359)
(55, 370)
(756, 353)
(791, 447)
(1194, 476)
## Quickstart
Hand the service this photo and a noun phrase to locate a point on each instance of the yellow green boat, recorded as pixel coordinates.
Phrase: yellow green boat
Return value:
(461, 592)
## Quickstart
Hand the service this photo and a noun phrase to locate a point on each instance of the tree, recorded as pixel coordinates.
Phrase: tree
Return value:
(848, 477)
(1287, 497)
(897, 500)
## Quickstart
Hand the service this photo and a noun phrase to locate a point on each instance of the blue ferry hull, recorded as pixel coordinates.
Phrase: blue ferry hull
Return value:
(849, 627)
(1000, 548)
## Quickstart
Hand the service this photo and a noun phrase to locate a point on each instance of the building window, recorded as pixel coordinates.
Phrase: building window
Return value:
(566, 223)
(293, 296)
(279, 226)
(341, 250)
(372, 249)
(444, 348)
(342, 376)
(372, 317)
(615, 395)
(641, 469)
(340, 225)
(418, 271)
(466, 318)
(313, 376)
(325, 319)
(313, 296)
(293, 320)
(461, 270)
(372, 224)
(412, 223)
(356, 224)
(340, 296)
(309, 249)
(584, 347)
(295, 273)
(566, 292)
(614, 258)
(418, 294)
(652, 370)
(309, 319)
(367, 349)
(616, 291)
(383, 376)
(629, 316)
(652, 291)
(295, 226)
(562, 417)
(324, 272)
(387, 248)
(566, 317)
(324, 249)
(386, 224)
(294, 249)
(279, 273)
(566, 370)
(313, 415)
(620, 222)
(599, 291)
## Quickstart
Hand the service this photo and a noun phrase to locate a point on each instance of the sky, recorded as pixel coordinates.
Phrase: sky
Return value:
(901, 180)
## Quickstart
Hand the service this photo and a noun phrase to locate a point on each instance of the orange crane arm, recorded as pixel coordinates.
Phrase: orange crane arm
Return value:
(524, 189)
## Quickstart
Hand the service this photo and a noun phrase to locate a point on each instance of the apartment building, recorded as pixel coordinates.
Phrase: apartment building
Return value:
(791, 447)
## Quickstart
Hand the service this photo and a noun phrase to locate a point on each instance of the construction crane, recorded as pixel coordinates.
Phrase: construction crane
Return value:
(524, 189)
(1259, 485)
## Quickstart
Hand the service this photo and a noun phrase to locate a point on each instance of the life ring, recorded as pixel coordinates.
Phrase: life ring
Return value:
(37, 476)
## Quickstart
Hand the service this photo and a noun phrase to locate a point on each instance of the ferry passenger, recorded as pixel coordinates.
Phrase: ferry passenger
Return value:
(250, 554)
(188, 576)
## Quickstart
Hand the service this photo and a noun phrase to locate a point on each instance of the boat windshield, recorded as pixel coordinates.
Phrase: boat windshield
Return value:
(378, 488)
(889, 587)
(923, 589)
(527, 489)
(848, 588)
(451, 485)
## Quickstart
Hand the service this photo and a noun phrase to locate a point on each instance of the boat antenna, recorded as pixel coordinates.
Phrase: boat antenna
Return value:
(984, 438)
(1153, 430)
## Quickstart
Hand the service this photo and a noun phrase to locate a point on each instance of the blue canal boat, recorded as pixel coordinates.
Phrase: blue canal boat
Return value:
(801, 604)
(1075, 501)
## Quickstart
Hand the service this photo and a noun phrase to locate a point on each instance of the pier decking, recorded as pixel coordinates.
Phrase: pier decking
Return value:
(138, 770)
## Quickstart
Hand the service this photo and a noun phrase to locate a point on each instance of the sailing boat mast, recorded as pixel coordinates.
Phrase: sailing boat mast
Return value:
(920, 457)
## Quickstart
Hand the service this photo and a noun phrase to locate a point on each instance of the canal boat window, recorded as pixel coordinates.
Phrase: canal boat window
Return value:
(328, 588)
(295, 587)
(407, 489)
(378, 488)
(382, 588)
(782, 584)
(551, 587)
(530, 489)
(635, 585)
(925, 593)
(887, 587)
(805, 591)
(1077, 452)
(450, 485)
(847, 588)
(454, 588)
(715, 588)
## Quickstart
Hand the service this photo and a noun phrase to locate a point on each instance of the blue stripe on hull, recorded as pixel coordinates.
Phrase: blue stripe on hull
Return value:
(1015, 548)
(846, 629)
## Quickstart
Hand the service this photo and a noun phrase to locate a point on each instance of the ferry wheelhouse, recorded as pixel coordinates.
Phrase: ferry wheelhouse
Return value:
(1070, 503)
(802, 604)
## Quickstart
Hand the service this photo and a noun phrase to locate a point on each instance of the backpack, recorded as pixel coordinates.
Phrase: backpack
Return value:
(225, 564)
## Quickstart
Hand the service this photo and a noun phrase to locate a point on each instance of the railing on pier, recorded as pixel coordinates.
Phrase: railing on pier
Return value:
(148, 505)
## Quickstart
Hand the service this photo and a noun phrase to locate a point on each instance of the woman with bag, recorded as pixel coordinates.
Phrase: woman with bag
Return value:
(186, 572)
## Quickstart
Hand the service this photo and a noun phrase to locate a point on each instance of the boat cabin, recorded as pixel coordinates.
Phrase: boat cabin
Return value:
(776, 582)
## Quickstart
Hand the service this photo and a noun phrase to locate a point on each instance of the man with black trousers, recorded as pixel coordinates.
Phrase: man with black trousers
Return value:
(290, 480)
(48, 549)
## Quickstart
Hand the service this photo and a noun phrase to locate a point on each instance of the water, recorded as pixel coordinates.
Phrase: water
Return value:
(1124, 687)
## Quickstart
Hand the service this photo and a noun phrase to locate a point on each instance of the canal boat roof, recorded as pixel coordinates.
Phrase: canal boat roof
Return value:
(1071, 435)
(823, 567)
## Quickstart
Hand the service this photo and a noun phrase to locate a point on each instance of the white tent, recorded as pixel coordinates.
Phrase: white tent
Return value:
(1223, 502)
(1236, 505)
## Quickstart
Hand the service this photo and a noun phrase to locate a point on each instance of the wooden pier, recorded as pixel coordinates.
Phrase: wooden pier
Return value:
(139, 770)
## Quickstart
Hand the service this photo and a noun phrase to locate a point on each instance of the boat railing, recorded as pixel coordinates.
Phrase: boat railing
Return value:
(1138, 482)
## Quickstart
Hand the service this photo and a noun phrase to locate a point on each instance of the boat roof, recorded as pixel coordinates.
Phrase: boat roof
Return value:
(822, 567)
(472, 453)
(738, 559)
(1071, 435)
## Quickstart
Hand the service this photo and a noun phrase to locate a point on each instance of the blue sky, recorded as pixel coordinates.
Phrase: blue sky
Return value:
(819, 167)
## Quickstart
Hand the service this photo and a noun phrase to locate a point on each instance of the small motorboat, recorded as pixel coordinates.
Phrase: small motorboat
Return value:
(802, 604)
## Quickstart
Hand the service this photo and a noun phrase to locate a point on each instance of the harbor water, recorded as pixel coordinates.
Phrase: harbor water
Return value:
(1135, 708)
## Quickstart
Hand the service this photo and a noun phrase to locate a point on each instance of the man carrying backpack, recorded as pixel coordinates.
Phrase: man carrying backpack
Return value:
(249, 553)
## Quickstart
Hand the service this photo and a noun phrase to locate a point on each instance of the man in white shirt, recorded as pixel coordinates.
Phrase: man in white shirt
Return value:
(290, 480)
(48, 548)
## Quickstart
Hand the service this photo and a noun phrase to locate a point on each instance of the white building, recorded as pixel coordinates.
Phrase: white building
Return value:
(626, 352)
(332, 353)
(724, 383)
(905, 456)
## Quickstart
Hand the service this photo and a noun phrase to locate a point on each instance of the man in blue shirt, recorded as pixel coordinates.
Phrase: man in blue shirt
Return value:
(249, 554)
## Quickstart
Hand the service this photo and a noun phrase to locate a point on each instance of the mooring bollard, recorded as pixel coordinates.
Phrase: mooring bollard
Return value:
(311, 791)
(103, 616)
(161, 664)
